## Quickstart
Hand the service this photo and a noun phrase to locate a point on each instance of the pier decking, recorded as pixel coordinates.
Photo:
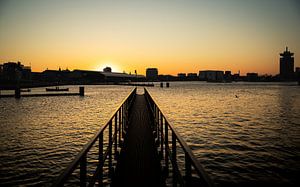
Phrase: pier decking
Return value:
(141, 150)
(139, 164)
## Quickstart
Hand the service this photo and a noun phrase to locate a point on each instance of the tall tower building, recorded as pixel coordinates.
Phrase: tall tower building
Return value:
(286, 65)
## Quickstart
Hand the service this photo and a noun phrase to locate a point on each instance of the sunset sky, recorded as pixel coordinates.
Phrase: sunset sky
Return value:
(173, 35)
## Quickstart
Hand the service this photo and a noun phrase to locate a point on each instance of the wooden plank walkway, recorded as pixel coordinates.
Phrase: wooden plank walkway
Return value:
(139, 164)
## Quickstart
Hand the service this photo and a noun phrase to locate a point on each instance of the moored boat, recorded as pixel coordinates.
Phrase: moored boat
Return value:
(56, 89)
(25, 90)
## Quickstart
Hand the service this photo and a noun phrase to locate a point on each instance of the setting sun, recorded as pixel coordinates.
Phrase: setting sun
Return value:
(114, 67)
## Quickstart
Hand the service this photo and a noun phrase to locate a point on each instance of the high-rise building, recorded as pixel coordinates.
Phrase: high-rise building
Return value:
(152, 74)
(286, 65)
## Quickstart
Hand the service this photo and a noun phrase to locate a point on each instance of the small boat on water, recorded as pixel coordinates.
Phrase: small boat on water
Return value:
(25, 90)
(56, 89)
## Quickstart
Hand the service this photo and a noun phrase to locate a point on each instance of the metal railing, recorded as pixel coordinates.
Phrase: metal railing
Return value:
(192, 173)
(86, 176)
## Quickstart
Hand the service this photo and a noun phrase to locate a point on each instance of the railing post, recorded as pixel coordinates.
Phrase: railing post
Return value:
(126, 115)
(157, 124)
(161, 136)
(81, 91)
(83, 171)
(120, 129)
(154, 127)
(101, 164)
(174, 159)
(188, 170)
(116, 134)
(166, 138)
(110, 148)
(18, 93)
(123, 120)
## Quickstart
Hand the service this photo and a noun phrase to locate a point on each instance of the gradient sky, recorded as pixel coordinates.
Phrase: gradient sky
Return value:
(172, 35)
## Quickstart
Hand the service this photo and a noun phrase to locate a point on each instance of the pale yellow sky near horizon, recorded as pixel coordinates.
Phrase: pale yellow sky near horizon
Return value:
(173, 36)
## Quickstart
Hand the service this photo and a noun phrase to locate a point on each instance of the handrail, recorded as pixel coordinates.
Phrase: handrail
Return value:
(161, 127)
(120, 123)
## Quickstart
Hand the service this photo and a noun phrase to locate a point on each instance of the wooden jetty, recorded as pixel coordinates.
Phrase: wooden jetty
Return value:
(137, 84)
(18, 94)
(139, 154)
(136, 147)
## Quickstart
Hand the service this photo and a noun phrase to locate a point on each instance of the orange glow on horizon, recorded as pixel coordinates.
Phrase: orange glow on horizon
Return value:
(171, 66)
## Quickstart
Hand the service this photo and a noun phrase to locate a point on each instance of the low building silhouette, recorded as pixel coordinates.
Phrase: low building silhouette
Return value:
(152, 74)
(15, 72)
(211, 75)
(181, 76)
(121, 77)
(227, 76)
(86, 77)
(252, 77)
(297, 72)
(59, 76)
(1, 71)
(167, 78)
(192, 77)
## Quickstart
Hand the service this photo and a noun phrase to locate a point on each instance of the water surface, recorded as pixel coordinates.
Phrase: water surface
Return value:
(239, 132)
(242, 133)
(39, 136)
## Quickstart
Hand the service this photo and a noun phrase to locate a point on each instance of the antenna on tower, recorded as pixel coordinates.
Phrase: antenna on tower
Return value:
(286, 48)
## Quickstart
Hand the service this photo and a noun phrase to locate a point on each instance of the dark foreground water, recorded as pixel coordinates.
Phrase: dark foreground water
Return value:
(241, 133)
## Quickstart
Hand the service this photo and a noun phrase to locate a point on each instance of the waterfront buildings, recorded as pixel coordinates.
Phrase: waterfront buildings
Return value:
(181, 75)
(121, 77)
(15, 74)
(252, 77)
(286, 65)
(211, 75)
(192, 75)
(151, 74)
(15, 71)
(227, 76)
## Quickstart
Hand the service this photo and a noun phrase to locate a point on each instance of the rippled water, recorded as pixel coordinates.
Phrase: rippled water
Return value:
(241, 133)
(39, 136)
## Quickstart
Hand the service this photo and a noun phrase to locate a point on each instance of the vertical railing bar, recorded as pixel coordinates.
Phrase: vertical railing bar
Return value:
(157, 120)
(166, 147)
(126, 115)
(116, 133)
(83, 171)
(110, 148)
(158, 124)
(161, 137)
(154, 113)
(174, 158)
(120, 129)
(101, 162)
(123, 120)
(188, 170)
